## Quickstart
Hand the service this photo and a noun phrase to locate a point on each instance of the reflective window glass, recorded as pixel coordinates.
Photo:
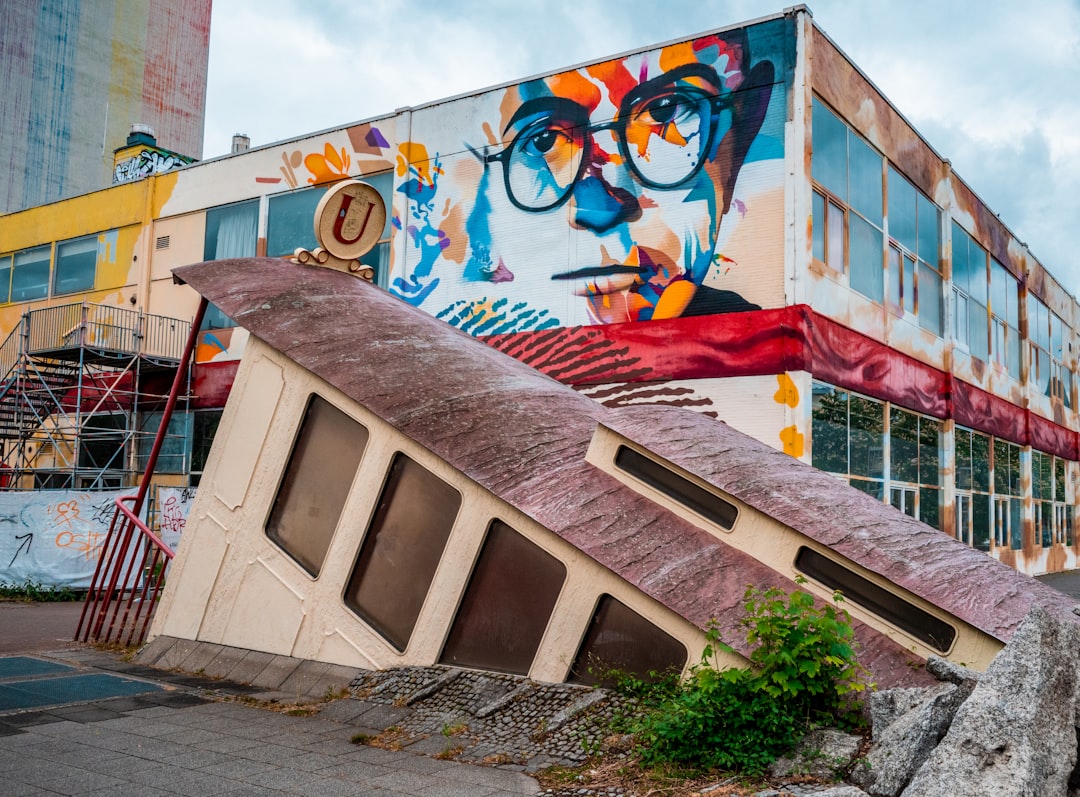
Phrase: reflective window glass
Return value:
(507, 604)
(621, 640)
(828, 164)
(867, 273)
(401, 550)
(5, 279)
(76, 265)
(30, 274)
(865, 179)
(902, 209)
(290, 222)
(318, 475)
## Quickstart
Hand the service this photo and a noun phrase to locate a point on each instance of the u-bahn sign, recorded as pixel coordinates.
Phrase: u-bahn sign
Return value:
(349, 221)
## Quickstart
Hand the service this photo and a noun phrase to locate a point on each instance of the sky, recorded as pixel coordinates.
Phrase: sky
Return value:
(993, 87)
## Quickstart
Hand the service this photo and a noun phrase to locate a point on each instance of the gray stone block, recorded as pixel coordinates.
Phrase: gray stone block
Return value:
(304, 678)
(200, 656)
(224, 662)
(249, 667)
(153, 650)
(276, 672)
(172, 659)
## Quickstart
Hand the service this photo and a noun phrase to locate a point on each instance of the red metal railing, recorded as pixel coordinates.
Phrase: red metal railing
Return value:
(118, 584)
(124, 581)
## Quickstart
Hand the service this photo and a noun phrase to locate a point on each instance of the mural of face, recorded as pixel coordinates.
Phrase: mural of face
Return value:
(603, 188)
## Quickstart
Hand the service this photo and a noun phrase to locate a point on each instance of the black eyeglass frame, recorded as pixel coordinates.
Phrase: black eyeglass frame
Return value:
(650, 88)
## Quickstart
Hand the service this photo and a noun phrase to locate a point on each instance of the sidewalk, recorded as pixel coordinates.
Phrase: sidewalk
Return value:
(194, 736)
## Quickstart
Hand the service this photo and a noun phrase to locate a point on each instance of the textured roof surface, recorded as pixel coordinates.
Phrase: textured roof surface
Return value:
(524, 436)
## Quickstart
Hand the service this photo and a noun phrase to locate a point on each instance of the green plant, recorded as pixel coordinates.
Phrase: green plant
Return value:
(34, 591)
(803, 670)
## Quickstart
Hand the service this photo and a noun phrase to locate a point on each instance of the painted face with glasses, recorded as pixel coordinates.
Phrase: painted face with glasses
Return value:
(635, 160)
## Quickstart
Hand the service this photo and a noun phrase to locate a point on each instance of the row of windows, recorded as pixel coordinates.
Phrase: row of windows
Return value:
(511, 593)
(851, 433)
(871, 223)
(51, 270)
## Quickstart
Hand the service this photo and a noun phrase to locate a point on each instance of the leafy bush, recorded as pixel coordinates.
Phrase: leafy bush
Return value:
(803, 670)
(31, 590)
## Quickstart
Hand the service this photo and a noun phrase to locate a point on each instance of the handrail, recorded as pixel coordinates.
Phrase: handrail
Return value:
(141, 583)
(116, 565)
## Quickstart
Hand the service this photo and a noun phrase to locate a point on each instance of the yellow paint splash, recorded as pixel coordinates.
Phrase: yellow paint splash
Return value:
(793, 440)
(788, 393)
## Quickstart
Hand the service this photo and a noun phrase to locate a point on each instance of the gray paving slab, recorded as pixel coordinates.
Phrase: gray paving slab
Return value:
(200, 657)
(224, 661)
(249, 666)
(276, 671)
(154, 649)
(177, 652)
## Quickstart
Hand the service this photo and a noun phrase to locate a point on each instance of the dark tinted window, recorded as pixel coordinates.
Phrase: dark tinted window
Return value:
(317, 479)
(507, 604)
(622, 640)
(711, 507)
(401, 550)
(919, 623)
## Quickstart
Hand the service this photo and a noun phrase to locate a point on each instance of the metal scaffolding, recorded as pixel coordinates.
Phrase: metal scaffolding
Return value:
(78, 383)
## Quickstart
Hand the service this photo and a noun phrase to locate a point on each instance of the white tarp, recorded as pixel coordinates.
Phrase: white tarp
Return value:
(54, 537)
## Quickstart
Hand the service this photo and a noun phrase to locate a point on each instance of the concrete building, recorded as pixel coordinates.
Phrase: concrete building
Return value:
(77, 75)
(739, 223)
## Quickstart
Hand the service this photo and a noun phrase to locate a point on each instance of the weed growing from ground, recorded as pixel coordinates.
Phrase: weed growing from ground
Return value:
(802, 672)
(31, 591)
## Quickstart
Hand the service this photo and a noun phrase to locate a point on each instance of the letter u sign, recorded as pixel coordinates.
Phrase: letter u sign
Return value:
(350, 219)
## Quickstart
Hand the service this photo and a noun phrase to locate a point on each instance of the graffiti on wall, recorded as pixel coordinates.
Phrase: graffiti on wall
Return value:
(54, 537)
(595, 196)
(173, 503)
(147, 163)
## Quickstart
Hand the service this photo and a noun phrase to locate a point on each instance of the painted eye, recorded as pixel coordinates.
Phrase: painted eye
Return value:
(662, 109)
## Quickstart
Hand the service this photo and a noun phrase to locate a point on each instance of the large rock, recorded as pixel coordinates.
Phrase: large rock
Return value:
(1015, 734)
(908, 724)
(822, 753)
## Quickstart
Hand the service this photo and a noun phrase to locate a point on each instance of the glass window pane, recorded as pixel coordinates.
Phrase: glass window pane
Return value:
(865, 179)
(867, 438)
(231, 231)
(930, 299)
(290, 221)
(980, 462)
(1056, 339)
(909, 284)
(999, 289)
(980, 520)
(507, 604)
(30, 274)
(902, 211)
(930, 444)
(401, 550)
(867, 272)
(828, 164)
(904, 445)
(896, 278)
(1013, 361)
(929, 231)
(174, 445)
(316, 482)
(961, 266)
(829, 431)
(978, 331)
(76, 265)
(930, 506)
(619, 639)
(818, 227)
(1059, 479)
(834, 247)
(5, 279)
(384, 184)
(204, 427)
(962, 443)
(1016, 529)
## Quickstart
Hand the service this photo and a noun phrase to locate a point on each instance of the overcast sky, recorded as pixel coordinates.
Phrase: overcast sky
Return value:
(994, 87)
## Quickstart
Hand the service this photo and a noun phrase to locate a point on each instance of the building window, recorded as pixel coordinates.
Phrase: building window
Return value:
(103, 442)
(915, 475)
(174, 446)
(204, 426)
(30, 274)
(401, 550)
(1004, 319)
(970, 280)
(848, 438)
(914, 265)
(1049, 372)
(76, 265)
(1053, 514)
(318, 475)
(506, 606)
(1008, 496)
(973, 488)
(847, 176)
(231, 231)
(5, 279)
(290, 223)
(619, 640)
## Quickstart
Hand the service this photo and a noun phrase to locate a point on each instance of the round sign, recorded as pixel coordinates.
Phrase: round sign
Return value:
(350, 219)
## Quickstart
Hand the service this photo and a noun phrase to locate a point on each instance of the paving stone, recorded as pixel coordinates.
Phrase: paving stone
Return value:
(152, 651)
(248, 668)
(224, 661)
(276, 672)
(177, 652)
(304, 678)
(200, 656)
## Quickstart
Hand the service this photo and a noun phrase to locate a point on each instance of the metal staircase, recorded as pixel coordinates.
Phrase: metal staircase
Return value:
(73, 380)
